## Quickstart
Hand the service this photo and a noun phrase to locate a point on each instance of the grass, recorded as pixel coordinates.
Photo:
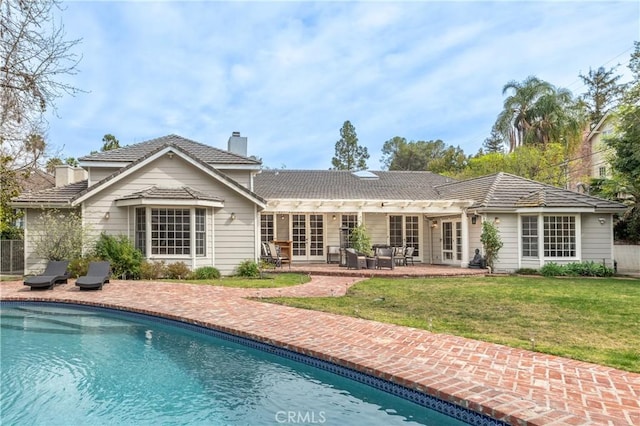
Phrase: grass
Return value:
(595, 320)
(268, 281)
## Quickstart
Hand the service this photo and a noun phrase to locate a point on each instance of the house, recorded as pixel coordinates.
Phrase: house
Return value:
(180, 200)
(593, 155)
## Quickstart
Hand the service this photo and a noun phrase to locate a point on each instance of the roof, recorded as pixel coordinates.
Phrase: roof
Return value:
(206, 153)
(183, 193)
(57, 195)
(345, 185)
(31, 179)
(504, 190)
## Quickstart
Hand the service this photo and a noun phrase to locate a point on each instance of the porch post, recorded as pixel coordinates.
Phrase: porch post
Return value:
(464, 228)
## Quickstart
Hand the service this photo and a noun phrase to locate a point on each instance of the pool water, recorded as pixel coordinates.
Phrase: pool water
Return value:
(74, 366)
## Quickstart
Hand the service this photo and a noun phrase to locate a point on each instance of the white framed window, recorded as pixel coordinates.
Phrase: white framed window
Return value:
(529, 236)
(141, 230)
(602, 172)
(267, 227)
(559, 236)
(170, 231)
(201, 232)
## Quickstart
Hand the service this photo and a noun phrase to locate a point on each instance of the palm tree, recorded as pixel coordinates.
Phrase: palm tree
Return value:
(518, 117)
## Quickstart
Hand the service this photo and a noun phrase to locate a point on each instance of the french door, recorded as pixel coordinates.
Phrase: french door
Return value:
(404, 231)
(451, 242)
(307, 236)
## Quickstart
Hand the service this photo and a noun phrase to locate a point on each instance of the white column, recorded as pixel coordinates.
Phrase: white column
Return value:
(464, 228)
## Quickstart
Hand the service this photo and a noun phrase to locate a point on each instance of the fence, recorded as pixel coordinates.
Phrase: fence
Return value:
(627, 257)
(11, 257)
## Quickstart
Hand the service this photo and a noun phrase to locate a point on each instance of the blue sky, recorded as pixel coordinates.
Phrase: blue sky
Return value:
(288, 74)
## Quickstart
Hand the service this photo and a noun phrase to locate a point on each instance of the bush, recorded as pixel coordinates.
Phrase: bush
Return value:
(125, 259)
(206, 273)
(79, 266)
(552, 269)
(527, 271)
(248, 269)
(576, 269)
(152, 270)
(178, 271)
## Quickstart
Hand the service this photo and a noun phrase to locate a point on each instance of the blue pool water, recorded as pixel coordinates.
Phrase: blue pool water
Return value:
(74, 366)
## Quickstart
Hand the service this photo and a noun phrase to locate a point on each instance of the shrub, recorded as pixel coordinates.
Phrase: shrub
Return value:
(152, 270)
(79, 266)
(491, 242)
(248, 268)
(552, 269)
(206, 273)
(178, 271)
(125, 259)
(527, 271)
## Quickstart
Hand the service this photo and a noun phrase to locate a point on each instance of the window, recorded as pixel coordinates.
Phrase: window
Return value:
(349, 221)
(602, 172)
(530, 236)
(141, 230)
(201, 232)
(447, 240)
(559, 236)
(267, 229)
(170, 231)
(395, 231)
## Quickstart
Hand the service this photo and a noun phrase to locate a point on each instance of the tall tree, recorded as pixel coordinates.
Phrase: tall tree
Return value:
(536, 112)
(603, 92)
(109, 142)
(435, 156)
(348, 154)
(495, 141)
(34, 57)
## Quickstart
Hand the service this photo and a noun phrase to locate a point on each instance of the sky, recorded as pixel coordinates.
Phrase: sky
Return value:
(288, 74)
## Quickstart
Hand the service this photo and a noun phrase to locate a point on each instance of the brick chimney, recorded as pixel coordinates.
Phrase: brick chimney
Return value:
(66, 174)
(237, 144)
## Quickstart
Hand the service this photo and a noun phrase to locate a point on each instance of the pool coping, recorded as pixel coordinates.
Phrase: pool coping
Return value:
(384, 360)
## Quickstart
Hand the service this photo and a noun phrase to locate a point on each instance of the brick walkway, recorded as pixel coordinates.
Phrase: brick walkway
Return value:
(517, 386)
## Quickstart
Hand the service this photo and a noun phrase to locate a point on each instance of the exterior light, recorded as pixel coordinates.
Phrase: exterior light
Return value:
(233, 216)
(106, 215)
(602, 220)
(496, 220)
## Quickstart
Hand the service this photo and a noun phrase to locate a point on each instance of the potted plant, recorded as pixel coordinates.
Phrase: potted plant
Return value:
(360, 240)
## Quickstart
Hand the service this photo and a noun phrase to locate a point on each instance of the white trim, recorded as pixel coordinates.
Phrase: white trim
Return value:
(121, 164)
(156, 156)
(137, 202)
(452, 207)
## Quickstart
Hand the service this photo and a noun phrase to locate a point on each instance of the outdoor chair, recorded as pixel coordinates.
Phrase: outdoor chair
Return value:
(266, 254)
(385, 258)
(97, 276)
(398, 255)
(54, 273)
(355, 260)
(276, 255)
(408, 256)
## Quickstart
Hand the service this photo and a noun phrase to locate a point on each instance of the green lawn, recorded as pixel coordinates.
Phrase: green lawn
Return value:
(268, 281)
(595, 320)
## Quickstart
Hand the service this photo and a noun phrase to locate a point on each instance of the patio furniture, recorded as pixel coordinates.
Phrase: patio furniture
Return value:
(398, 255)
(408, 256)
(97, 274)
(385, 258)
(355, 260)
(333, 254)
(54, 273)
(277, 256)
(372, 262)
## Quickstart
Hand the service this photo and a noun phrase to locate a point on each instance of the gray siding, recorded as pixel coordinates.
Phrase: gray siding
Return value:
(596, 238)
(510, 252)
(96, 174)
(376, 224)
(233, 240)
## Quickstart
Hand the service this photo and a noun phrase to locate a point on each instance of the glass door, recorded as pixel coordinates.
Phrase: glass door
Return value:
(308, 237)
(404, 231)
(451, 242)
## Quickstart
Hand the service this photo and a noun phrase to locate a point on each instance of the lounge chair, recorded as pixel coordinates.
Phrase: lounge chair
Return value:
(277, 256)
(408, 256)
(54, 273)
(97, 275)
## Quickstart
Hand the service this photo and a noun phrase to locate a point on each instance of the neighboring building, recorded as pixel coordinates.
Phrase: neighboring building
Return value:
(180, 200)
(593, 156)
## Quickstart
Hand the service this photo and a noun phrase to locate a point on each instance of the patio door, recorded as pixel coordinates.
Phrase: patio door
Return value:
(451, 242)
(404, 231)
(307, 236)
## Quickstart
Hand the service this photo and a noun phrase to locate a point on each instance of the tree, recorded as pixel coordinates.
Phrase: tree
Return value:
(536, 112)
(109, 142)
(9, 189)
(603, 92)
(348, 154)
(491, 242)
(52, 162)
(34, 56)
(495, 141)
(435, 156)
(59, 235)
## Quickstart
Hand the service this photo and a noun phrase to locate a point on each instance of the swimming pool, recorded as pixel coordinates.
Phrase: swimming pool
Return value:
(66, 364)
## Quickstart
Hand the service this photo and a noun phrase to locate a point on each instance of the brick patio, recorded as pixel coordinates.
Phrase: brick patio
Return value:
(514, 385)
